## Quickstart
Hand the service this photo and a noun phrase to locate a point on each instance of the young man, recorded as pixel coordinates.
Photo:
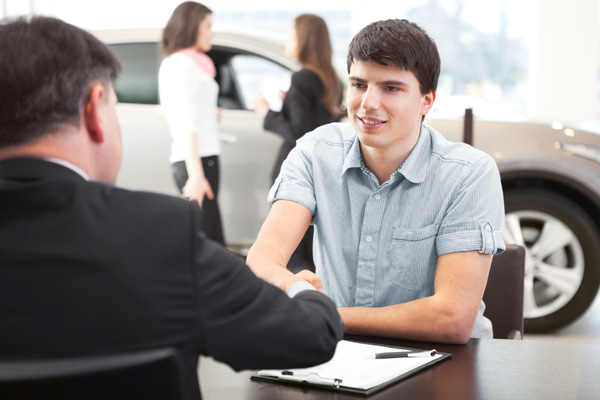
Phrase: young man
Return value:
(406, 223)
(87, 268)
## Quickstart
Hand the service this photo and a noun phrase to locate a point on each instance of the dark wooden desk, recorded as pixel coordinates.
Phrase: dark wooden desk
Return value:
(481, 369)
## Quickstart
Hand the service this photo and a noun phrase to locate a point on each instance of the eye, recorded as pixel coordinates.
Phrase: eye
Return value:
(358, 85)
(392, 88)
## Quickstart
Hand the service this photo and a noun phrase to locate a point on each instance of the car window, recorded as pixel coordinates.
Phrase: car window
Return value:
(138, 82)
(240, 76)
(256, 74)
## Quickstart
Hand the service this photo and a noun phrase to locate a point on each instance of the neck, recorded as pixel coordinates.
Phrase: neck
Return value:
(59, 146)
(380, 164)
(383, 161)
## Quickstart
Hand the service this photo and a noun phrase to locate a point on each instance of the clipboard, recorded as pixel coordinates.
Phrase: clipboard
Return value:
(351, 370)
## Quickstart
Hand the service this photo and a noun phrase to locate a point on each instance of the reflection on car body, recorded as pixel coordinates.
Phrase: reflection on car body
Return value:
(550, 174)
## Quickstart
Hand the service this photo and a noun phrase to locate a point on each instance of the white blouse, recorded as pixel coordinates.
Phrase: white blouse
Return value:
(188, 96)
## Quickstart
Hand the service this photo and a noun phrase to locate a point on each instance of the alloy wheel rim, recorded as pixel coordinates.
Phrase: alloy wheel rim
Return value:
(554, 260)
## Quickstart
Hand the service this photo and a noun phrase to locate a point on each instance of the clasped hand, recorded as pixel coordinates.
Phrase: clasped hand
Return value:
(286, 279)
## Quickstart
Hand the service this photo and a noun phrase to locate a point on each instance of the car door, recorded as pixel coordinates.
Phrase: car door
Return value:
(248, 151)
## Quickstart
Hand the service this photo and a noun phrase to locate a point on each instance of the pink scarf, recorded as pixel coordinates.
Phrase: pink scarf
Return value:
(201, 59)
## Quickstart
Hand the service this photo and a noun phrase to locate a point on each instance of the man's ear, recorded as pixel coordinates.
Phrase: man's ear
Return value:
(91, 114)
(427, 102)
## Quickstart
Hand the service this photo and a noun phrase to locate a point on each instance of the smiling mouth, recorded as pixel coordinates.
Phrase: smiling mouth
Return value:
(371, 122)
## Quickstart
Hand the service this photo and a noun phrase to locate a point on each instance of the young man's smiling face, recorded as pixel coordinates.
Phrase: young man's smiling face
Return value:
(385, 105)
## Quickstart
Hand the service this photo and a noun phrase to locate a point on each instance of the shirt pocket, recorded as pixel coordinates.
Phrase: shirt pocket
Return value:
(412, 256)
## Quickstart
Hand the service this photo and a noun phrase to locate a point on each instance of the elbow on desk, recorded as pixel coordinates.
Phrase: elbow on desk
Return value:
(456, 330)
(459, 336)
(452, 324)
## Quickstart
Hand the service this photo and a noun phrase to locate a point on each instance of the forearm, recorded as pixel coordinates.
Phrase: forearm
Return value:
(277, 122)
(293, 332)
(426, 319)
(295, 119)
(193, 164)
(279, 236)
(447, 316)
(267, 262)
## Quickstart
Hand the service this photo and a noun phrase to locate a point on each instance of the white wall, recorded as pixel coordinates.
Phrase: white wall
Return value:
(564, 67)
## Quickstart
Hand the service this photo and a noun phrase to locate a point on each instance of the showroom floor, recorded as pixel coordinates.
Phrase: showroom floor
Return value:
(585, 329)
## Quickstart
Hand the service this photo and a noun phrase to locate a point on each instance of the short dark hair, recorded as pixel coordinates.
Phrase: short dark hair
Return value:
(401, 42)
(182, 28)
(47, 70)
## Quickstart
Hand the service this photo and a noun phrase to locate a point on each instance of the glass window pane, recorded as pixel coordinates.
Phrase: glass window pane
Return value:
(485, 52)
(256, 74)
(138, 82)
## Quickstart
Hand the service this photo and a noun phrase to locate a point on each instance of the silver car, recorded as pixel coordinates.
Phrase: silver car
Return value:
(550, 173)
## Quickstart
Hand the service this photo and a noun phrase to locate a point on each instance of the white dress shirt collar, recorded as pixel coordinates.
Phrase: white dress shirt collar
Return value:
(69, 165)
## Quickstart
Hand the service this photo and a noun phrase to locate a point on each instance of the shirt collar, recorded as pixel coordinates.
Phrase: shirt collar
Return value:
(354, 157)
(69, 165)
(414, 167)
(416, 164)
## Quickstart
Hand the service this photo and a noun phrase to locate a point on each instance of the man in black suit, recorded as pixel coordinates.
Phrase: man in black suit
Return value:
(87, 268)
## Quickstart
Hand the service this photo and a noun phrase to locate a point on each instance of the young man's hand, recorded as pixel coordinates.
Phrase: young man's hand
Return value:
(285, 279)
(310, 277)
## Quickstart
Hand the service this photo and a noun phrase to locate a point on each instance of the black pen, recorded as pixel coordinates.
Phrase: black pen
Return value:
(401, 354)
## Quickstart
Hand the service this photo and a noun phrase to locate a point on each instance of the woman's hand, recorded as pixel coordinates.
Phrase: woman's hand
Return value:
(197, 188)
(260, 105)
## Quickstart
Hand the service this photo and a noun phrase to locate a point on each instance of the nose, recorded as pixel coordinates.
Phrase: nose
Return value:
(370, 99)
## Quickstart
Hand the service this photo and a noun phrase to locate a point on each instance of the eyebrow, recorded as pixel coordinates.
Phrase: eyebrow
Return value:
(385, 83)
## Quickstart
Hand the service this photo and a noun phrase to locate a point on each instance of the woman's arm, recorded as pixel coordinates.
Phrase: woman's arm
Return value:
(197, 185)
(298, 113)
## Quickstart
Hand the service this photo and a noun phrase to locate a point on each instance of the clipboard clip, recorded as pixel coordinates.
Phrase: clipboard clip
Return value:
(311, 377)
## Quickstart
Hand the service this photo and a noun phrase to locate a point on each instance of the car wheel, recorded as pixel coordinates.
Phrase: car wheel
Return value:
(562, 272)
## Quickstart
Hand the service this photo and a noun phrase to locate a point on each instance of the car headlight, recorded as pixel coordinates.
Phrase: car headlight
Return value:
(587, 151)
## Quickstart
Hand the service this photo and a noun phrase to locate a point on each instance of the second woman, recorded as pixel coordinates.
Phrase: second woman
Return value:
(188, 96)
(313, 99)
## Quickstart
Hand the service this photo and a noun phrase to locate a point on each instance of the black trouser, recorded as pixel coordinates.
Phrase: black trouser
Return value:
(211, 220)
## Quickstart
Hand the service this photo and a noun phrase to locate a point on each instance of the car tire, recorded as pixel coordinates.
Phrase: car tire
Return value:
(562, 273)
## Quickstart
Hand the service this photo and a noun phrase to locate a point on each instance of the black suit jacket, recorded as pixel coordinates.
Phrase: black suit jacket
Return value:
(302, 111)
(87, 268)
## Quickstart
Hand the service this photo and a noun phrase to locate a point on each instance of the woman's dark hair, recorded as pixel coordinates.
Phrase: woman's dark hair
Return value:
(404, 44)
(313, 51)
(47, 70)
(182, 28)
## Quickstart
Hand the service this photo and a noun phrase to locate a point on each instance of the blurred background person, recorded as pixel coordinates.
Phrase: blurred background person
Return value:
(188, 96)
(314, 98)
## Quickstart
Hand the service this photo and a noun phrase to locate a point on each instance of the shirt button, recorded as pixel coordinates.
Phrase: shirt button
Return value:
(369, 239)
(377, 197)
(488, 228)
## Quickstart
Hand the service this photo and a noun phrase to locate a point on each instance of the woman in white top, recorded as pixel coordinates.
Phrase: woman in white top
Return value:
(188, 95)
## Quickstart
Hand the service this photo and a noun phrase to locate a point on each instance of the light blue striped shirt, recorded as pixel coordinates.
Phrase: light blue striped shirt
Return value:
(377, 245)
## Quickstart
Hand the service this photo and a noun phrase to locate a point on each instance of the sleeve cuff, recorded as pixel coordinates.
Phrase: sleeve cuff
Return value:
(486, 241)
(298, 287)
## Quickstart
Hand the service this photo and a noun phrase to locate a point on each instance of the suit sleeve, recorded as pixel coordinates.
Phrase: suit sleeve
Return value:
(248, 323)
(297, 115)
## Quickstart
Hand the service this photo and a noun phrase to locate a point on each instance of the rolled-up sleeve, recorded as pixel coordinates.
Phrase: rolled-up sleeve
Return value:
(474, 220)
(295, 181)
